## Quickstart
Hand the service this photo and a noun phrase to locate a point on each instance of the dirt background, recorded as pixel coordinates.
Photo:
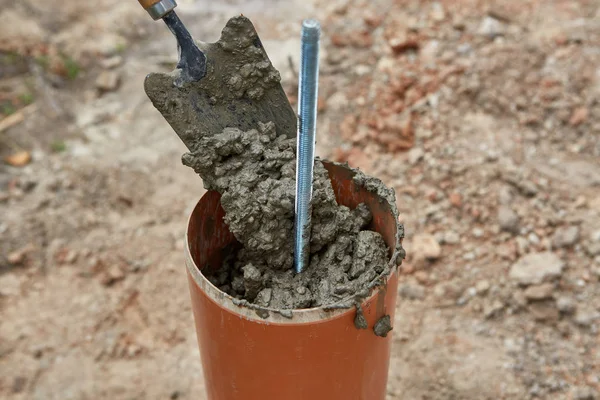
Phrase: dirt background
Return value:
(483, 115)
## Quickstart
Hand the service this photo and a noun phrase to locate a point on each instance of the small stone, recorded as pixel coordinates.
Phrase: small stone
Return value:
(579, 116)
(401, 44)
(422, 277)
(415, 155)
(478, 232)
(451, 237)
(586, 317)
(451, 290)
(111, 62)
(566, 305)
(522, 245)
(264, 297)
(108, 81)
(565, 237)
(27, 184)
(407, 268)
(337, 101)
(507, 251)
(535, 268)
(18, 159)
(424, 245)
(482, 287)
(16, 257)
(10, 285)
(544, 311)
(580, 202)
(518, 299)
(592, 249)
(455, 199)
(585, 393)
(505, 195)
(71, 257)
(527, 188)
(301, 290)
(512, 346)
(412, 291)
(383, 326)
(112, 275)
(463, 300)
(238, 284)
(539, 292)
(94, 266)
(341, 289)
(564, 327)
(490, 27)
(508, 220)
(253, 281)
(490, 155)
(533, 238)
(437, 13)
(65, 256)
(492, 309)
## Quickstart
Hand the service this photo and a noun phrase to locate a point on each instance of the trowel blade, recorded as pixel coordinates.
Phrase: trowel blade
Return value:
(240, 89)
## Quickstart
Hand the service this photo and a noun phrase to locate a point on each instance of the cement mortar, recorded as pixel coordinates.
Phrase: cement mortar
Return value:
(383, 326)
(255, 173)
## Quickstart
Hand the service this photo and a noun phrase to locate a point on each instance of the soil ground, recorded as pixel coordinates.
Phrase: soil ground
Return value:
(484, 116)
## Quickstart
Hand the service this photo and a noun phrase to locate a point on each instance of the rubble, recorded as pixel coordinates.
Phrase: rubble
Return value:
(565, 237)
(425, 245)
(566, 305)
(539, 292)
(108, 81)
(508, 220)
(535, 268)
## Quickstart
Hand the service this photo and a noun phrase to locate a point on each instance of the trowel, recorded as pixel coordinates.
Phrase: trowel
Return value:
(230, 83)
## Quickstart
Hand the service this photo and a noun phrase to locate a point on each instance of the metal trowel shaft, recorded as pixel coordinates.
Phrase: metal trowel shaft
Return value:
(192, 61)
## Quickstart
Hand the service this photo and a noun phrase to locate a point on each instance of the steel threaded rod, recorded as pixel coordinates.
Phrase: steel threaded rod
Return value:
(307, 123)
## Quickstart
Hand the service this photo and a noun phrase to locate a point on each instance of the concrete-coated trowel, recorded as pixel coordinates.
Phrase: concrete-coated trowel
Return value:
(227, 84)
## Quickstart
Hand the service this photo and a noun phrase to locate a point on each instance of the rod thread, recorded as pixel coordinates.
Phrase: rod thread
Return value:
(307, 112)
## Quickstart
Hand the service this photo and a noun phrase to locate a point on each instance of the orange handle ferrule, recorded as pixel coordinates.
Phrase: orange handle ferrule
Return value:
(148, 3)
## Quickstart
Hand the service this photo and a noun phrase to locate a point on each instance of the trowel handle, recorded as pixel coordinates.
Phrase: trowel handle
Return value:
(158, 8)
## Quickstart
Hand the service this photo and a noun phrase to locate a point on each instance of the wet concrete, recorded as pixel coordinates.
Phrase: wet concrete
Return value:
(240, 130)
(383, 326)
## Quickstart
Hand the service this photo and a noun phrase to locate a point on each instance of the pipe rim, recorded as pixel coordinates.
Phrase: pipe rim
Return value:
(299, 316)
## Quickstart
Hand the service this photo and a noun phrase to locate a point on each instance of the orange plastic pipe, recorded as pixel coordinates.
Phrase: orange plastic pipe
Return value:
(317, 354)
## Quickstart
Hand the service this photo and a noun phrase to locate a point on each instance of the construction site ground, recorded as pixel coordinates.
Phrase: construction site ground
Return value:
(483, 115)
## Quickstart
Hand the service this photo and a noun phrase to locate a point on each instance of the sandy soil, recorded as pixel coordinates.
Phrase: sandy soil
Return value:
(483, 115)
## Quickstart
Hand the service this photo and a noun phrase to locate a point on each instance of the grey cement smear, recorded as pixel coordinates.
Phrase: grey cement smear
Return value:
(240, 130)
(383, 326)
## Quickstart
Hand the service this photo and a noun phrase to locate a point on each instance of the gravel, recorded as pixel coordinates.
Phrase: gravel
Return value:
(508, 220)
(535, 268)
(566, 237)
